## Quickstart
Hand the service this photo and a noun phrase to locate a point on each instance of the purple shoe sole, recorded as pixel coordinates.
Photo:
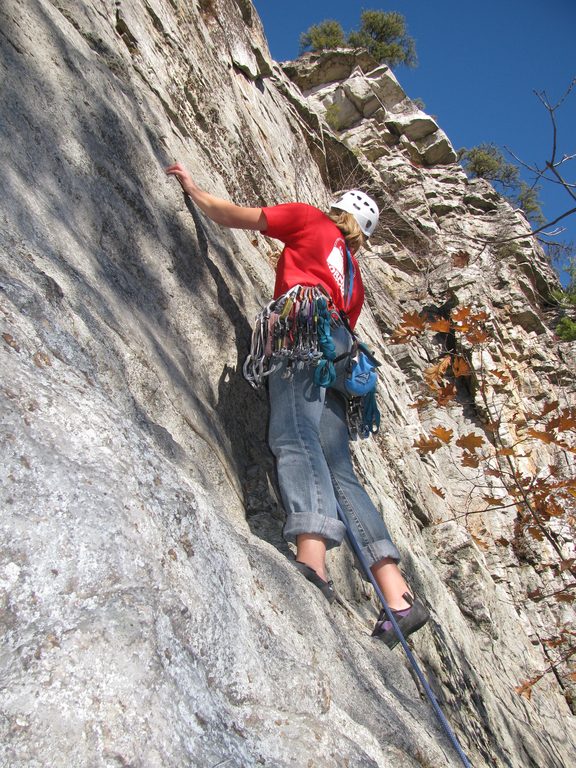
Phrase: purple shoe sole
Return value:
(415, 620)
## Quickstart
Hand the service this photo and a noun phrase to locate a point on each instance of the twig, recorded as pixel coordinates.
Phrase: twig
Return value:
(544, 99)
(554, 233)
(570, 652)
(534, 232)
(568, 587)
(540, 173)
(565, 184)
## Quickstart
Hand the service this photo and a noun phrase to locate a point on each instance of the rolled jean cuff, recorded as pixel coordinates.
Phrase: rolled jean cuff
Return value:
(379, 550)
(330, 529)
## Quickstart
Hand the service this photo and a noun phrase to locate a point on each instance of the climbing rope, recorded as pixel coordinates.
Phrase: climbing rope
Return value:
(411, 658)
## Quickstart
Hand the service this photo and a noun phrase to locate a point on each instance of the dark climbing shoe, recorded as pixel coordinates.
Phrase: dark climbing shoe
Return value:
(409, 620)
(326, 587)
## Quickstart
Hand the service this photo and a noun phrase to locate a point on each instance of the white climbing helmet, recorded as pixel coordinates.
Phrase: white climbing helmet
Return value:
(362, 207)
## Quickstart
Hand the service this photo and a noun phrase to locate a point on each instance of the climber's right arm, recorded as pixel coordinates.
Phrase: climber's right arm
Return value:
(220, 211)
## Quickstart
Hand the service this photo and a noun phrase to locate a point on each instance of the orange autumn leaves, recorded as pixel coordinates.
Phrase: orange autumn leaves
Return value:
(553, 430)
(464, 325)
(550, 424)
(538, 487)
(463, 320)
(439, 436)
(467, 329)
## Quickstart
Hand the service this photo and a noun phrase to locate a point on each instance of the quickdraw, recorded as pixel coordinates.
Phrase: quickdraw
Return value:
(362, 416)
(294, 327)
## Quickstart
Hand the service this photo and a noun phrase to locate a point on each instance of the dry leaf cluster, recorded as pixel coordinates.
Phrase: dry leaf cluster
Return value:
(544, 499)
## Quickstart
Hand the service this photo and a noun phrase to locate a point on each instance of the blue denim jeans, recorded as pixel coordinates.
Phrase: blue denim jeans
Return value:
(308, 435)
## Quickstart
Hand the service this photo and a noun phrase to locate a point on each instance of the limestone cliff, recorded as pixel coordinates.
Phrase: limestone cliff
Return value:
(149, 611)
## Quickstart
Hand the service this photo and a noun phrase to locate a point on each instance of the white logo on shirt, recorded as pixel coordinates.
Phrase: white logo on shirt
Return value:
(335, 263)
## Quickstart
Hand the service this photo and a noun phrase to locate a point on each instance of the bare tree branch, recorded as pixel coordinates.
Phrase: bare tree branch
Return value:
(565, 159)
(565, 184)
(554, 233)
(540, 173)
(528, 234)
(566, 94)
(544, 99)
(551, 166)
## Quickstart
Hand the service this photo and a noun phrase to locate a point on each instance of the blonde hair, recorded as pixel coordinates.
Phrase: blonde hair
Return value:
(349, 227)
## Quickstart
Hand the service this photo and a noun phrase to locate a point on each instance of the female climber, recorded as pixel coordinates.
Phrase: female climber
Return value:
(308, 431)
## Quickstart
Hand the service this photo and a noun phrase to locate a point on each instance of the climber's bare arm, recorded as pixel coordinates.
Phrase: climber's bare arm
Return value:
(221, 211)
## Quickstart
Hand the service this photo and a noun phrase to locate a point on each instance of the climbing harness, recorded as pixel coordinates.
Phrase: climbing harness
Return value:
(411, 658)
(297, 327)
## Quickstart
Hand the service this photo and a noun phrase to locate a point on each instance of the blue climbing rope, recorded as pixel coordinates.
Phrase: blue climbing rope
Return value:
(429, 692)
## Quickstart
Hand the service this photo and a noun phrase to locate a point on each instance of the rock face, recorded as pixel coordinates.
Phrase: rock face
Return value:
(150, 614)
(353, 92)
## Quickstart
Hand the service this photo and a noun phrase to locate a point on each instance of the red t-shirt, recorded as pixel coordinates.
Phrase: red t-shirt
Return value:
(314, 253)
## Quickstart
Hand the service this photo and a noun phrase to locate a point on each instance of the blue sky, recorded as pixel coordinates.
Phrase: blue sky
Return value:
(479, 65)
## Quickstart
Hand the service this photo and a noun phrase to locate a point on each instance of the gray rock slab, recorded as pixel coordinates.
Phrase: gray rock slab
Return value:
(149, 611)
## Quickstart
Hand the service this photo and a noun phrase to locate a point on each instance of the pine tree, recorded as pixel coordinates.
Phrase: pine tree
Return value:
(382, 34)
(385, 36)
(323, 37)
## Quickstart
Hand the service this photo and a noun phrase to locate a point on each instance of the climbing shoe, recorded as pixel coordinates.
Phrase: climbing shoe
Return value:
(326, 587)
(409, 620)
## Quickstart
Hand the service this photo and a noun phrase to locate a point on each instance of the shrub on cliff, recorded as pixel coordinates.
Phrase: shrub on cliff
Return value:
(566, 329)
(486, 161)
(323, 37)
(383, 35)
